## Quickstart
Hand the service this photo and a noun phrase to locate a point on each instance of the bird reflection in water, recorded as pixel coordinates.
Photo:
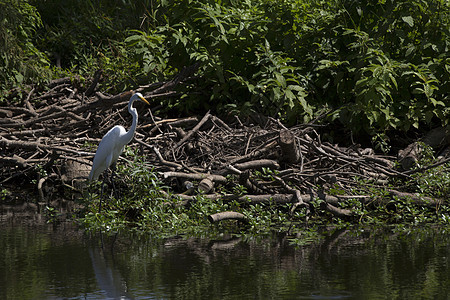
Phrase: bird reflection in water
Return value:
(109, 278)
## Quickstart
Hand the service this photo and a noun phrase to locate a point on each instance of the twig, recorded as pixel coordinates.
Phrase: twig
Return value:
(158, 154)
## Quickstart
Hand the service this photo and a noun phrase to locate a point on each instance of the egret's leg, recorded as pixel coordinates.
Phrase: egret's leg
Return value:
(101, 191)
(111, 179)
(113, 172)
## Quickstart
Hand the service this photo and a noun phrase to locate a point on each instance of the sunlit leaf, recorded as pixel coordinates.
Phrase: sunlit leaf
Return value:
(408, 20)
(290, 96)
(281, 80)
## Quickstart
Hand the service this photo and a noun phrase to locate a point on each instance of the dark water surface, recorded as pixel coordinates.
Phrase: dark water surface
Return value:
(61, 262)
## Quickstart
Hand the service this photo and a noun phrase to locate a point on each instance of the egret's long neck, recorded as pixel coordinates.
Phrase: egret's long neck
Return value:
(130, 133)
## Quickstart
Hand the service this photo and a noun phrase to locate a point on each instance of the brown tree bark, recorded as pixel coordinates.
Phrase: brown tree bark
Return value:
(290, 152)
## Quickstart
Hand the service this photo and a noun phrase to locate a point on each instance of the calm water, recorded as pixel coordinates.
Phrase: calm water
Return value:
(61, 262)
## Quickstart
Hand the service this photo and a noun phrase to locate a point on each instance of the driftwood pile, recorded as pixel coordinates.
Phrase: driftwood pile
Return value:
(52, 136)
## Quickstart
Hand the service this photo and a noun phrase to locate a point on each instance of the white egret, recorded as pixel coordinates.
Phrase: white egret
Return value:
(113, 142)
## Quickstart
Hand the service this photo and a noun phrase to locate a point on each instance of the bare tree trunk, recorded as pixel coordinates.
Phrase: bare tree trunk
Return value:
(289, 151)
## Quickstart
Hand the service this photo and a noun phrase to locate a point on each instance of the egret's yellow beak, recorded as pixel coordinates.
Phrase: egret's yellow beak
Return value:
(143, 99)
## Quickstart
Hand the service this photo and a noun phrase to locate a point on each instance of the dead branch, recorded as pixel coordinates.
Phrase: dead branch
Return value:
(336, 211)
(421, 200)
(14, 161)
(194, 130)
(227, 215)
(215, 178)
(258, 165)
(35, 146)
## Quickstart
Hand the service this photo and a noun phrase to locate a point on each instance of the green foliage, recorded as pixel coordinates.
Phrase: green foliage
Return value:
(148, 49)
(142, 194)
(144, 205)
(375, 66)
(246, 71)
(75, 28)
(434, 182)
(4, 193)
(387, 209)
(367, 57)
(20, 60)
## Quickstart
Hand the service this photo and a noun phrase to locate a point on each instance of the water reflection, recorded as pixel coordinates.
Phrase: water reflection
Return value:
(48, 262)
(108, 276)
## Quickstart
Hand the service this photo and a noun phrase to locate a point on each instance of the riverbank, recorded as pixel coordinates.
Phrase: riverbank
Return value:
(186, 175)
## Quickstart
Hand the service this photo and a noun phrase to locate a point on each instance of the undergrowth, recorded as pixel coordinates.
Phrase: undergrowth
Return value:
(142, 203)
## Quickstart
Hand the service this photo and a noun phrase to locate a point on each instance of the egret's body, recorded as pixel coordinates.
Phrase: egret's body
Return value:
(114, 141)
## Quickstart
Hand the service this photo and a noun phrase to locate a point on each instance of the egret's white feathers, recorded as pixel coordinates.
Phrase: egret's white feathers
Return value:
(114, 141)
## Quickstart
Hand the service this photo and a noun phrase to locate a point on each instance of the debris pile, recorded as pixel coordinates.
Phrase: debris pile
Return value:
(52, 137)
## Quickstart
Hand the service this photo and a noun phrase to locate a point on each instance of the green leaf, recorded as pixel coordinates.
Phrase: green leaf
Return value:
(393, 80)
(408, 20)
(290, 96)
(372, 118)
(280, 80)
(410, 50)
(386, 112)
(428, 116)
(305, 106)
(277, 93)
(436, 103)
(295, 88)
(418, 91)
(250, 87)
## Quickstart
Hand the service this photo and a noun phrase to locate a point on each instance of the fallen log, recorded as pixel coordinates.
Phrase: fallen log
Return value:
(417, 199)
(268, 147)
(36, 145)
(196, 176)
(409, 156)
(266, 198)
(227, 215)
(5, 113)
(206, 185)
(336, 211)
(15, 160)
(257, 164)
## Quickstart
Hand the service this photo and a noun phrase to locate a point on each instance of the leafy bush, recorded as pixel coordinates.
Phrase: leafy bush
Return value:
(374, 66)
(377, 65)
(20, 60)
(380, 64)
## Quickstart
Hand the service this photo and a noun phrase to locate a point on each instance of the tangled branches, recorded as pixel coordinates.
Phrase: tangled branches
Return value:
(58, 130)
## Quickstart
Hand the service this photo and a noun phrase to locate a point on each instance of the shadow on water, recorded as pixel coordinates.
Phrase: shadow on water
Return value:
(49, 261)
